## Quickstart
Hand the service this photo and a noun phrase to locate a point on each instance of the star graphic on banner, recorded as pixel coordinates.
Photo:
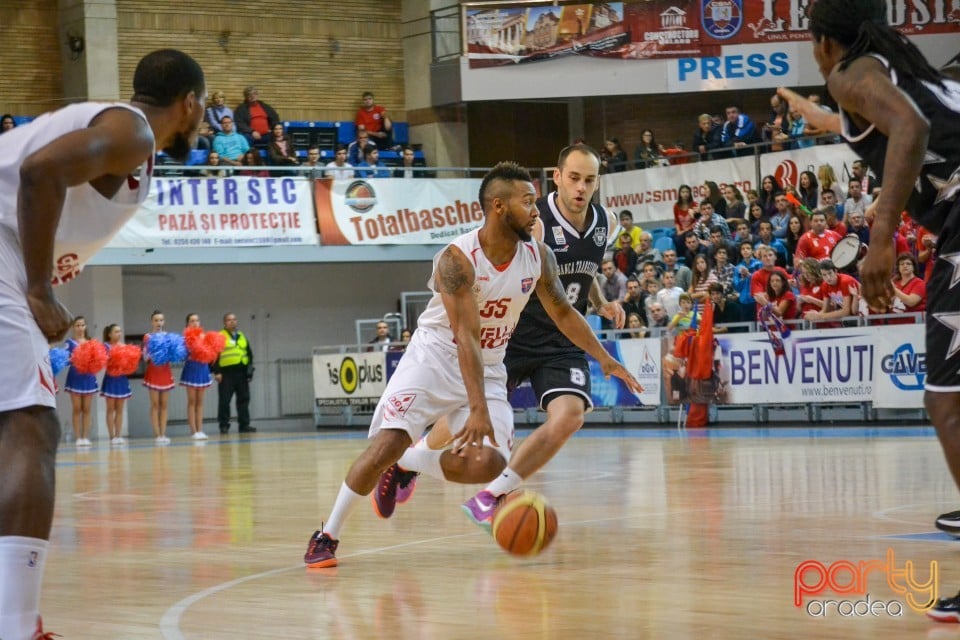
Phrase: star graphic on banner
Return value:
(951, 320)
(946, 189)
(954, 259)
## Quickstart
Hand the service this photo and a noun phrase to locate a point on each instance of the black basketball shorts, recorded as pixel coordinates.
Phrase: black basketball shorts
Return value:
(551, 376)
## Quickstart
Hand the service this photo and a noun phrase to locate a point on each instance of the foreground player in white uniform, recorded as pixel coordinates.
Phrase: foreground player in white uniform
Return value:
(454, 364)
(68, 181)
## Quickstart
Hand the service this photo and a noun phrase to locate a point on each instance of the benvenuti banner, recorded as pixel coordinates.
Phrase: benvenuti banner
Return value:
(237, 211)
(396, 210)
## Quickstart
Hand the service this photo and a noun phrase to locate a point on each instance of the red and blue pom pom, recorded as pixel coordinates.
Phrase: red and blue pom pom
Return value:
(166, 348)
(89, 357)
(59, 359)
(204, 346)
(123, 359)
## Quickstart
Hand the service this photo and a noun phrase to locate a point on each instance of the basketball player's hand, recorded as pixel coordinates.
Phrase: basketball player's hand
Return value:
(52, 317)
(612, 367)
(875, 273)
(470, 439)
(613, 312)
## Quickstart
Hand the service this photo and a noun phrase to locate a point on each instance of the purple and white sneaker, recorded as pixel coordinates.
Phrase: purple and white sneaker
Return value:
(480, 509)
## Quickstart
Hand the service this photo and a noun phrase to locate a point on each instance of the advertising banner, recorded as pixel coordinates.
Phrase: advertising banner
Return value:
(786, 166)
(394, 211)
(650, 194)
(350, 378)
(222, 212)
(900, 367)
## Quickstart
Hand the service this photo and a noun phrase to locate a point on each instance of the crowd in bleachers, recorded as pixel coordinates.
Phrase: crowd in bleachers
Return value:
(792, 248)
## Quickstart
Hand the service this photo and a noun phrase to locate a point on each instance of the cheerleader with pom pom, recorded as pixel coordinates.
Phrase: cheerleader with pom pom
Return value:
(82, 387)
(158, 379)
(122, 360)
(203, 348)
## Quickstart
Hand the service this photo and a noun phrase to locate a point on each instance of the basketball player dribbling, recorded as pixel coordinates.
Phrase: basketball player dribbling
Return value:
(69, 181)
(902, 116)
(454, 364)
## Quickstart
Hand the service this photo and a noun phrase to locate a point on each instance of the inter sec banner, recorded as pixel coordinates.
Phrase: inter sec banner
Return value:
(900, 368)
(222, 212)
(649, 194)
(395, 210)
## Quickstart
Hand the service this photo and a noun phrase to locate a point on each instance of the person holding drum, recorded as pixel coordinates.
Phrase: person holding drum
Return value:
(816, 243)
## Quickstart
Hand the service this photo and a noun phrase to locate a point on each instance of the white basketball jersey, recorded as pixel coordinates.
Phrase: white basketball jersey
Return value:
(88, 221)
(501, 294)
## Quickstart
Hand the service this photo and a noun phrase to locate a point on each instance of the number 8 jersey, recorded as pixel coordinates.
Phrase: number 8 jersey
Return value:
(578, 260)
(501, 292)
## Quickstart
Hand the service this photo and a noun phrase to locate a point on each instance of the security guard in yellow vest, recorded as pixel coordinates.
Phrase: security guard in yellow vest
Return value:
(233, 373)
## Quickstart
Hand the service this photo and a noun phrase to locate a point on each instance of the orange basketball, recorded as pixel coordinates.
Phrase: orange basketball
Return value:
(524, 523)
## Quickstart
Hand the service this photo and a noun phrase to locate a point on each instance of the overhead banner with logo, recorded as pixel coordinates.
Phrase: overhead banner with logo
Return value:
(627, 30)
(900, 367)
(395, 211)
(787, 166)
(222, 212)
(649, 194)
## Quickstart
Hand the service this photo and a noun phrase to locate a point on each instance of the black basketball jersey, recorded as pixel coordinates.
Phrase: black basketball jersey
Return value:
(578, 260)
(939, 183)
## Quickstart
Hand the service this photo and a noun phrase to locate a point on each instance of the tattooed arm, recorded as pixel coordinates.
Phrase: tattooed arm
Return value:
(571, 323)
(454, 281)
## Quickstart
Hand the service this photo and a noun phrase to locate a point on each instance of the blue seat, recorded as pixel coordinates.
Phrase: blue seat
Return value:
(401, 133)
(664, 243)
(594, 321)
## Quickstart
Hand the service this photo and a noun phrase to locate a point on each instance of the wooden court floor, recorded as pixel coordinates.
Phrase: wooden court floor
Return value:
(661, 536)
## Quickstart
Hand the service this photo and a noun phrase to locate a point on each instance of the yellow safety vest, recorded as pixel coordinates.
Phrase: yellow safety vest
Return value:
(235, 352)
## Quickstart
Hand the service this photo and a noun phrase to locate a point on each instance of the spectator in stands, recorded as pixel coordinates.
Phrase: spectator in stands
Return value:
(357, 150)
(613, 159)
(372, 167)
(253, 159)
(767, 239)
(795, 231)
(229, 144)
(648, 153)
(769, 188)
(683, 275)
(702, 277)
(669, 294)
(713, 195)
(627, 226)
(684, 210)
(811, 130)
(217, 110)
(657, 314)
(375, 120)
(774, 130)
(216, 169)
(742, 232)
(255, 119)
(809, 283)
(634, 301)
(856, 200)
(809, 190)
(758, 281)
(926, 252)
(709, 218)
(839, 291)
(755, 215)
(909, 291)
(738, 131)
(280, 149)
(797, 131)
(733, 199)
(723, 270)
(647, 271)
(781, 215)
(828, 182)
(313, 157)
(742, 274)
(204, 137)
(338, 168)
(690, 247)
(7, 122)
(675, 154)
(635, 327)
(707, 136)
(405, 170)
(857, 224)
(818, 242)
(726, 310)
(614, 285)
(382, 340)
(781, 296)
(625, 258)
(717, 242)
(684, 316)
(829, 199)
(869, 185)
(646, 252)
(833, 223)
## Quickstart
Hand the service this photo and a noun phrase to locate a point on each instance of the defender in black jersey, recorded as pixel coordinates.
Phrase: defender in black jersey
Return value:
(577, 231)
(903, 117)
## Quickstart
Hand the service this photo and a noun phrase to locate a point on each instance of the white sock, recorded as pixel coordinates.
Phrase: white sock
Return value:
(21, 575)
(505, 482)
(347, 500)
(423, 460)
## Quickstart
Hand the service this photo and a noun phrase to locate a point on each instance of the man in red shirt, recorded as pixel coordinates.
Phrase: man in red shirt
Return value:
(254, 119)
(816, 243)
(758, 281)
(840, 292)
(376, 121)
